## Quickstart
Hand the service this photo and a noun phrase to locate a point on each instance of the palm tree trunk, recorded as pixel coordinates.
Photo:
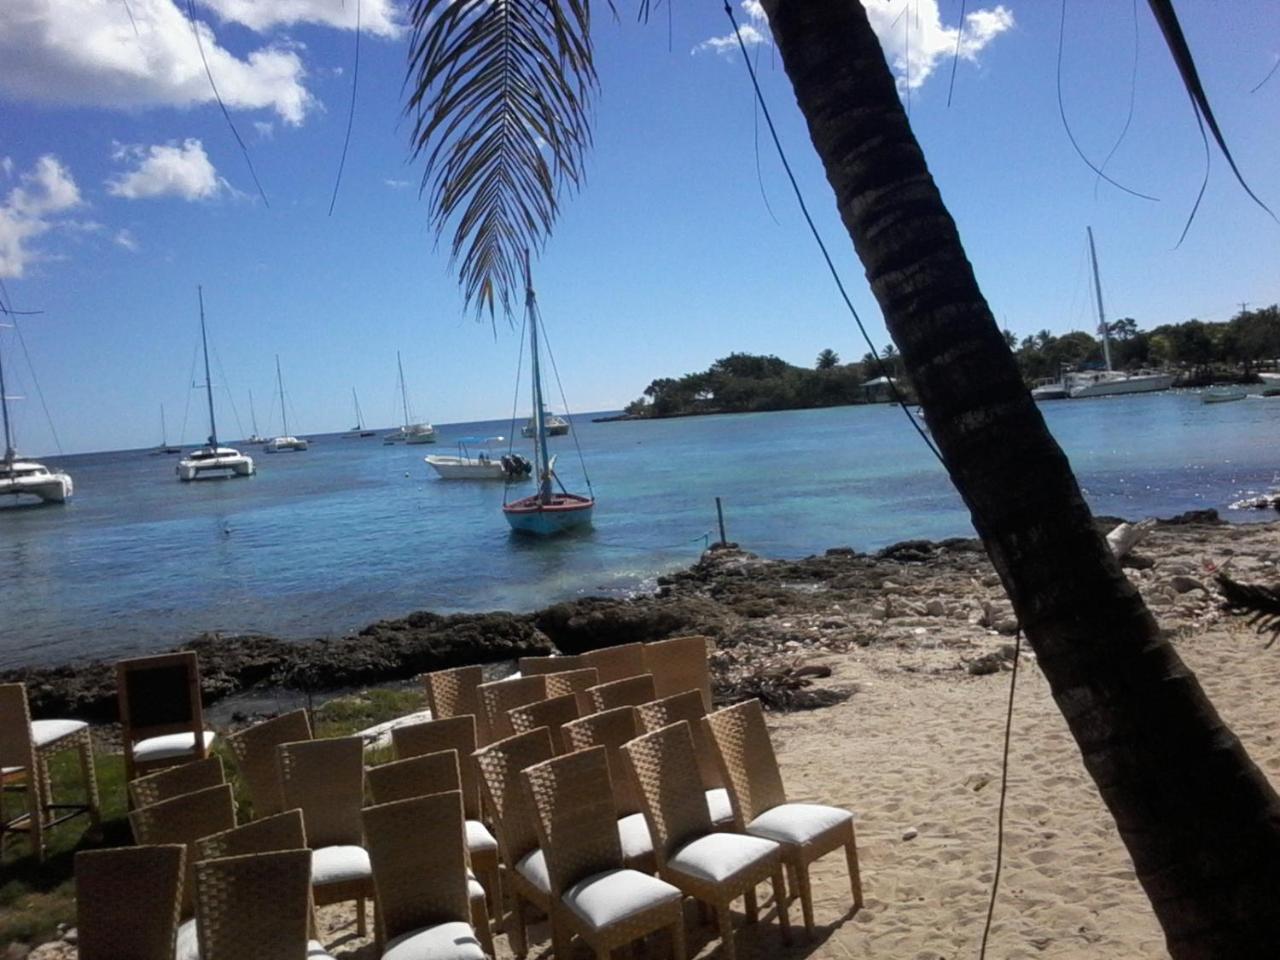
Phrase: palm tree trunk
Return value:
(1201, 822)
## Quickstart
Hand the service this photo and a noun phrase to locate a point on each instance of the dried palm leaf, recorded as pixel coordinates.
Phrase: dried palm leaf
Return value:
(1261, 604)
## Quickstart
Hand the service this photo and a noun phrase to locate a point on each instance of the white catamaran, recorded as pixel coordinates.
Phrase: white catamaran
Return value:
(286, 441)
(26, 477)
(212, 458)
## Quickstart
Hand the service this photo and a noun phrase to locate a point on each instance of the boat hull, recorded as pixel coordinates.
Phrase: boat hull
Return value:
(565, 512)
(230, 463)
(1117, 386)
(1050, 391)
(50, 488)
(466, 468)
(1222, 396)
(285, 445)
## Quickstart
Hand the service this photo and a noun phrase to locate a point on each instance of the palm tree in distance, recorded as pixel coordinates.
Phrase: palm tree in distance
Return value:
(827, 359)
(499, 97)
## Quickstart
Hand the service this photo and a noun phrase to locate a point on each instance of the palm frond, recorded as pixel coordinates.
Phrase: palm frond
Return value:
(500, 94)
(1261, 604)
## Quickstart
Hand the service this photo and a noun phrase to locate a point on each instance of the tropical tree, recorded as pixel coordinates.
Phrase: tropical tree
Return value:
(827, 359)
(499, 93)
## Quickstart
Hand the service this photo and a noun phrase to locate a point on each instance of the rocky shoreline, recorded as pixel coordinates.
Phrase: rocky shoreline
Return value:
(774, 621)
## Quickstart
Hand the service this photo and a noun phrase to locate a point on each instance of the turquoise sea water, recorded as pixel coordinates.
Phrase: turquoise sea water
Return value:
(319, 543)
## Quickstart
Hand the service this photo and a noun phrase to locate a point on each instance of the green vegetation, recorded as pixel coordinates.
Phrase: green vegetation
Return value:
(36, 897)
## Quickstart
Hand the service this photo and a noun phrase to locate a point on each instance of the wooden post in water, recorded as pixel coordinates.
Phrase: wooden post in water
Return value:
(720, 518)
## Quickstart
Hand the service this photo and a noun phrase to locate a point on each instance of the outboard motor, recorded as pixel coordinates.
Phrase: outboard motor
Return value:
(516, 466)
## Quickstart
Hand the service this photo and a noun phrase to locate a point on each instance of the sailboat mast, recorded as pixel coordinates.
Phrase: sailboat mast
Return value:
(164, 433)
(539, 421)
(253, 417)
(356, 400)
(284, 417)
(9, 453)
(1097, 289)
(208, 378)
(404, 395)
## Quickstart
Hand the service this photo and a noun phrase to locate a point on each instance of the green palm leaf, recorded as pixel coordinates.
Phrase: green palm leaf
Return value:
(500, 94)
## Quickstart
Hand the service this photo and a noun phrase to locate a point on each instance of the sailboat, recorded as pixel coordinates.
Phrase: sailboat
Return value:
(1109, 382)
(284, 442)
(164, 439)
(212, 458)
(27, 477)
(253, 419)
(358, 430)
(548, 511)
(410, 432)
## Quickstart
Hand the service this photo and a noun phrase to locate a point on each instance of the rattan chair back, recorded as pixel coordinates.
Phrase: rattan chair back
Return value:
(452, 692)
(500, 696)
(679, 664)
(17, 747)
(185, 820)
(686, 706)
(255, 751)
(419, 856)
(540, 666)
(665, 769)
(500, 765)
(552, 714)
(325, 780)
(414, 777)
(609, 729)
(176, 781)
(577, 682)
(232, 897)
(158, 696)
(281, 831)
(747, 760)
(617, 662)
(627, 692)
(451, 733)
(127, 902)
(576, 821)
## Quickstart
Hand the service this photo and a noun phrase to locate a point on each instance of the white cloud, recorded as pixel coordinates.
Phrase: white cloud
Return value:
(31, 209)
(397, 184)
(125, 238)
(265, 130)
(85, 52)
(166, 170)
(6, 164)
(376, 16)
(915, 56)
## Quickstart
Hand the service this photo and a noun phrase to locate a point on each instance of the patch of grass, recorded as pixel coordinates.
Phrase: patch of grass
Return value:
(346, 715)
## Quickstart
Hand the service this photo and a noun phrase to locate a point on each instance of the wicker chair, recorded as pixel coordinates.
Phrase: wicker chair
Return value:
(255, 751)
(232, 894)
(325, 780)
(452, 693)
(500, 765)
(617, 662)
(419, 857)
(552, 714)
(627, 692)
(280, 831)
(186, 819)
(161, 716)
(689, 706)
(498, 697)
(539, 666)
(592, 894)
(679, 664)
(577, 682)
(127, 902)
(26, 746)
(805, 831)
(174, 782)
(459, 734)
(611, 729)
(716, 867)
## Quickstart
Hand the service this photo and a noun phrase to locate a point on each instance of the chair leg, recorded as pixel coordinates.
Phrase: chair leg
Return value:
(560, 937)
(678, 950)
(484, 931)
(728, 949)
(35, 812)
(516, 932)
(752, 905)
(855, 876)
(784, 921)
(85, 750)
(793, 882)
(806, 897)
(362, 926)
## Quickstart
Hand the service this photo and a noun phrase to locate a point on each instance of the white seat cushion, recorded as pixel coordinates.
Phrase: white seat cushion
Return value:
(339, 864)
(187, 945)
(474, 890)
(44, 732)
(316, 951)
(634, 834)
(614, 895)
(797, 823)
(479, 838)
(444, 941)
(533, 867)
(719, 856)
(718, 805)
(169, 746)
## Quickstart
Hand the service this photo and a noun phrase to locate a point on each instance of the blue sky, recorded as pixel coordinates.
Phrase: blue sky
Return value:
(667, 259)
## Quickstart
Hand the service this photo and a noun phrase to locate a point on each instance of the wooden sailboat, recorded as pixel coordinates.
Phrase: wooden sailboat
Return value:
(549, 511)
(286, 442)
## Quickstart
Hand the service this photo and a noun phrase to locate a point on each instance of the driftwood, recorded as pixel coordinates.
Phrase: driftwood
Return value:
(1261, 604)
(1128, 535)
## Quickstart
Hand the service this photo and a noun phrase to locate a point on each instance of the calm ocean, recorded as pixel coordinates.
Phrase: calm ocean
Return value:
(319, 543)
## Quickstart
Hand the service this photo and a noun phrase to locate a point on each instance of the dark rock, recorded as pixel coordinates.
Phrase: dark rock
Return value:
(1191, 516)
(1135, 561)
(1186, 584)
(593, 622)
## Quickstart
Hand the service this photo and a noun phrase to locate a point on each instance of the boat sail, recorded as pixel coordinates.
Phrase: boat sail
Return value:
(212, 458)
(284, 442)
(358, 430)
(164, 439)
(410, 432)
(547, 512)
(253, 419)
(27, 477)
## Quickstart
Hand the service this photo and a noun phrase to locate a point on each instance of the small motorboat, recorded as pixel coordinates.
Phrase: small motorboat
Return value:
(480, 464)
(556, 426)
(1222, 394)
